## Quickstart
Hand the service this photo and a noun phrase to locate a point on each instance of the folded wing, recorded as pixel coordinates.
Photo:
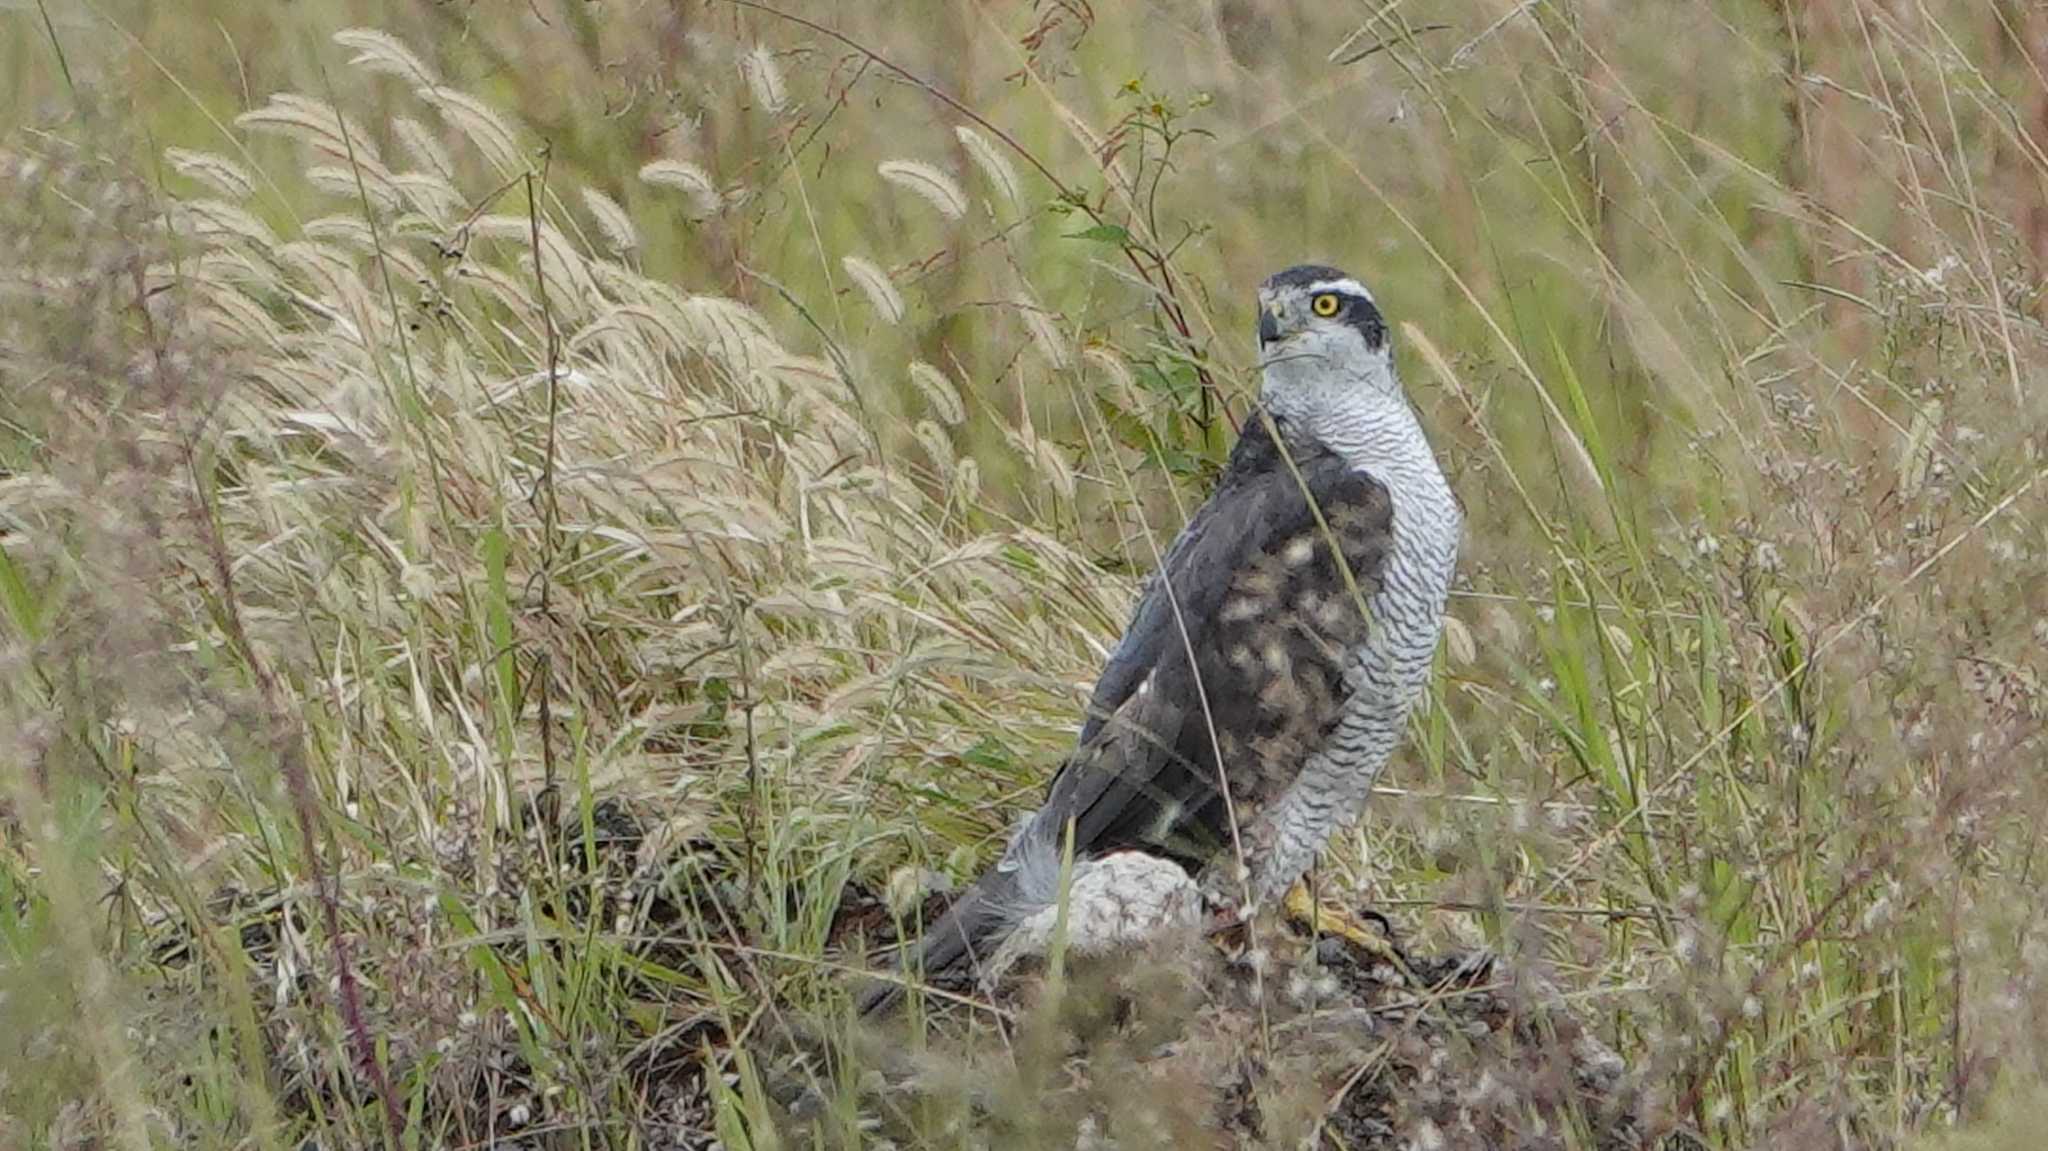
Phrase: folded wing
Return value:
(1239, 646)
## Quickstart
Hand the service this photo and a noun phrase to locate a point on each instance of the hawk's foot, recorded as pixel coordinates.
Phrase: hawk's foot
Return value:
(1325, 918)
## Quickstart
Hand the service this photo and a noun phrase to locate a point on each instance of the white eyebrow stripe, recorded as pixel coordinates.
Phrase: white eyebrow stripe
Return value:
(1346, 285)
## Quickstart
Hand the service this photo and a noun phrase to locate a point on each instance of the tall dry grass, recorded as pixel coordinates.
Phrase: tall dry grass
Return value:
(514, 518)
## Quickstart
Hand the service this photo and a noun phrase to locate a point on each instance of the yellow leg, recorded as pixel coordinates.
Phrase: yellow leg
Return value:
(1326, 919)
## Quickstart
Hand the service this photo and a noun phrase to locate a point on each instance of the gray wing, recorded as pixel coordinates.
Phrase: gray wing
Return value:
(1254, 591)
(1190, 560)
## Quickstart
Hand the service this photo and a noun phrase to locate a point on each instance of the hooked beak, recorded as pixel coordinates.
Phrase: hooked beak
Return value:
(1269, 327)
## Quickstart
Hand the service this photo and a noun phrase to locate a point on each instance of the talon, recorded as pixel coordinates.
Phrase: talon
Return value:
(1324, 919)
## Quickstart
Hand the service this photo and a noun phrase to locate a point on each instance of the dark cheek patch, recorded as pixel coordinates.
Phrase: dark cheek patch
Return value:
(1362, 315)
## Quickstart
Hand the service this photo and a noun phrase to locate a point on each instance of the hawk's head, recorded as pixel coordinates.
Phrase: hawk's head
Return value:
(1322, 340)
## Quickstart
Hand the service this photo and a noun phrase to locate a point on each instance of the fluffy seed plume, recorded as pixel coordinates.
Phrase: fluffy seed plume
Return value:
(967, 480)
(1045, 334)
(939, 393)
(217, 221)
(349, 182)
(382, 52)
(995, 167)
(434, 198)
(213, 170)
(1052, 464)
(764, 79)
(375, 178)
(423, 146)
(612, 220)
(1113, 369)
(688, 179)
(875, 285)
(1458, 642)
(352, 231)
(937, 445)
(474, 119)
(313, 123)
(1916, 452)
(927, 183)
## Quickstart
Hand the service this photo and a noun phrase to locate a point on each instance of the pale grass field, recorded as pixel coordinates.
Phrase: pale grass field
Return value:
(418, 446)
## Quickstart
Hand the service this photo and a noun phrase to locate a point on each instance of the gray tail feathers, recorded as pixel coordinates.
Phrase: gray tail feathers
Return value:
(963, 939)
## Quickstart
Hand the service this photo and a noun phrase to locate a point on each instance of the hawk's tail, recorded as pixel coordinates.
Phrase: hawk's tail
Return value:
(954, 947)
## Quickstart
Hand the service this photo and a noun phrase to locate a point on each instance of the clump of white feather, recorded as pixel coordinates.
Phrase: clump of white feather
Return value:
(1122, 899)
(1125, 899)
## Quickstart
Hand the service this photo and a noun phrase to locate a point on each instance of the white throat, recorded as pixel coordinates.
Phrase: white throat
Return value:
(1352, 404)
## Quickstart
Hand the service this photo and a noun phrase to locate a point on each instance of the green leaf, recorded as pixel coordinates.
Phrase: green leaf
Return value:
(1178, 462)
(498, 632)
(989, 752)
(18, 601)
(1115, 235)
(1582, 411)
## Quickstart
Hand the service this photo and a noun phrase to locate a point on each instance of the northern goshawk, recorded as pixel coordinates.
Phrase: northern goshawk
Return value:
(1268, 671)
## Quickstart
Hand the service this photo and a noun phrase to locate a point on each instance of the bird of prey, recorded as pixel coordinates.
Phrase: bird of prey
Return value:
(1268, 670)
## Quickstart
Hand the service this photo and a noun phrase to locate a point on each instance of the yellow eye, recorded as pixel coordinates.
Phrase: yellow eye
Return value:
(1325, 305)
